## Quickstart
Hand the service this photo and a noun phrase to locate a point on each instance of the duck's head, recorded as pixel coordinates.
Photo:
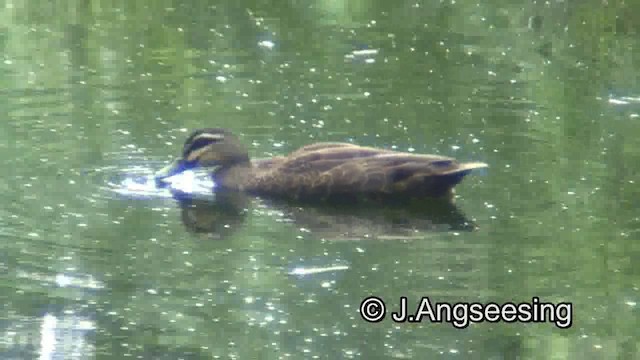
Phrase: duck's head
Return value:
(214, 149)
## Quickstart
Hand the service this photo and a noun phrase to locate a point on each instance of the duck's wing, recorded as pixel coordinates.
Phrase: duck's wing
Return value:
(344, 169)
(268, 163)
(322, 146)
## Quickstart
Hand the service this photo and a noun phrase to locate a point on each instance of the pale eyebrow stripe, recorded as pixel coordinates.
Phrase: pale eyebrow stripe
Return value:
(196, 154)
(209, 136)
(200, 141)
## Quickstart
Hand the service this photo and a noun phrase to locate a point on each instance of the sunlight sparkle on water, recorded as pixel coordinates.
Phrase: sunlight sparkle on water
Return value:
(187, 182)
(317, 270)
(184, 181)
(267, 44)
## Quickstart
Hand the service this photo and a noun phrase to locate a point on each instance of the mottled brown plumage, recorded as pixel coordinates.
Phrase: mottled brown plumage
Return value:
(321, 171)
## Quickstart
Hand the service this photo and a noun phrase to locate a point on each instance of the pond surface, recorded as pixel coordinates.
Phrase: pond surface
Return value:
(97, 92)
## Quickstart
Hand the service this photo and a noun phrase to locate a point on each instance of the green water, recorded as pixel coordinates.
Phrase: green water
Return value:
(546, 93)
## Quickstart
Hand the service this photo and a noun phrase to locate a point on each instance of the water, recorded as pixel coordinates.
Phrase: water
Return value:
(97, 262)
(139, 182)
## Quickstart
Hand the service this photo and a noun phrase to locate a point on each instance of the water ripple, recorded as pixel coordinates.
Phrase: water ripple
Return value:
(136, 181)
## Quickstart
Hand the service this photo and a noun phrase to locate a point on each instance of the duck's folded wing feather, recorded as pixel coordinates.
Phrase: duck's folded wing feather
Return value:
(354, 169)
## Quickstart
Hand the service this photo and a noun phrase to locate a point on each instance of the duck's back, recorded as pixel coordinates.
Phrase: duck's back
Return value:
(342, 170)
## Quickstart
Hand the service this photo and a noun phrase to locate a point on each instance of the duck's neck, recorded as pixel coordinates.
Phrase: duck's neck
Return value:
(232, 176)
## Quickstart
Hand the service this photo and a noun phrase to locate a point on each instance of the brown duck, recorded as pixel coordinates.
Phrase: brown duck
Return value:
(320, 171)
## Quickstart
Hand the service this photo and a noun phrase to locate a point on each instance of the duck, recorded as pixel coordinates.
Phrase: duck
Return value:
(324, 171)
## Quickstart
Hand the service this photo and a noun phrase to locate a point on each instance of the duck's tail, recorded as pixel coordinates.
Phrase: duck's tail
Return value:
(438, 183)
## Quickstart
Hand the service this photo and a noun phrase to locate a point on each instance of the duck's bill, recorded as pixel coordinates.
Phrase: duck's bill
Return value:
(176, 167)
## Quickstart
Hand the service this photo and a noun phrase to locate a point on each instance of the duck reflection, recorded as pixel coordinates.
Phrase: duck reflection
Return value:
(220, 216)
(388, 222)
(227, 212)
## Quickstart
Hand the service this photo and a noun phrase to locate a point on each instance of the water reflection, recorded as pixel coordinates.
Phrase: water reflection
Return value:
(225, 213)
(60, 331)
(220, 216)
(65, 337)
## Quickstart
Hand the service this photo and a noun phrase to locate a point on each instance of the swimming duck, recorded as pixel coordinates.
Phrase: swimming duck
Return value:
(320, 171)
